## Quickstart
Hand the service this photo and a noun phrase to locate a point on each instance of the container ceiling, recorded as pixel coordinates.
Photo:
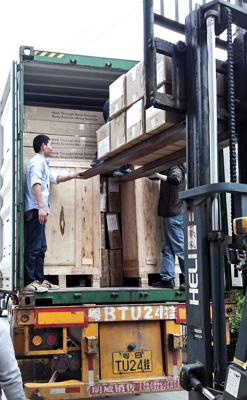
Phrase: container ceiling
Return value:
(67, 86)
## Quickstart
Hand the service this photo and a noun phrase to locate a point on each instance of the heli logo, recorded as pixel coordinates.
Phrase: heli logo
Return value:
(193, 280)
(192, 261)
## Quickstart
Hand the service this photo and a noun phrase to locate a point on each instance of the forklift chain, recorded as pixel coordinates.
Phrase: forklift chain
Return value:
(231, 107)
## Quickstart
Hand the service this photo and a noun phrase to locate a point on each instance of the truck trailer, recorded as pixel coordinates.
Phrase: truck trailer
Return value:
(81, 340)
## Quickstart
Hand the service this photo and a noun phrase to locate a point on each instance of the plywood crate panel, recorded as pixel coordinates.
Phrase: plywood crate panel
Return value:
(143, 242)
(60, 226)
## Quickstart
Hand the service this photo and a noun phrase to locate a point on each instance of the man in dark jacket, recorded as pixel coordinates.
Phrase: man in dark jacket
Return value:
(170, 207)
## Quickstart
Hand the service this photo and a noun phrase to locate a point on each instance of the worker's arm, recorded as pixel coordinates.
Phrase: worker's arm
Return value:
(39, 199)
(169, 179)
(68, 178)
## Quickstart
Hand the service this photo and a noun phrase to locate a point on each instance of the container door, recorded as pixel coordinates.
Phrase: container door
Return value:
(8, 179)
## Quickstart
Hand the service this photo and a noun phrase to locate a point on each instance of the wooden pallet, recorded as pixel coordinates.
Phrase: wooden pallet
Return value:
(74, 280)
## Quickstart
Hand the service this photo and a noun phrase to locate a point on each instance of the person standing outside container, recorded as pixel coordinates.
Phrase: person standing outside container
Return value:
(170, 207)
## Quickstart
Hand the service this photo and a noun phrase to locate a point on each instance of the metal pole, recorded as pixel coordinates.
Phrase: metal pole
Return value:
(149, 53)
(216, 256)
(212, 97)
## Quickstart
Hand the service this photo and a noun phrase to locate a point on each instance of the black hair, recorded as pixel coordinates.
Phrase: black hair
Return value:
(38, 141)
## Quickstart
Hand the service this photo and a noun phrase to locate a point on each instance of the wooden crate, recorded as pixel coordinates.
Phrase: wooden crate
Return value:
(143, 242)
(73, 227)
(116, 267)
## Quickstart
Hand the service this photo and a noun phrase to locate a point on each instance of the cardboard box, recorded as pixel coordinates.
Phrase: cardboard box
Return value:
(117, 96)
(135, 123)
(60, 128)
(158, 120)
(66, 154)
(103, 194)
(105, 269)
(63, 115)
(163, 69)
(64, 142)
(103, 141)
(114, 198)
(116, 267)
(118, 132)
(113, 231)
(134, 84)
(102, 231)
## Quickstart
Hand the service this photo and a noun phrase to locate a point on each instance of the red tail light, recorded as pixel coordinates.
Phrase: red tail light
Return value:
(74, 361)
(51, 339)
(61, 363)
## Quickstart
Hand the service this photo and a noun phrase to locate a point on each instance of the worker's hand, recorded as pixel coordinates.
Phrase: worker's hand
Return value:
(42, 216)
(76, 176)
(157, 176)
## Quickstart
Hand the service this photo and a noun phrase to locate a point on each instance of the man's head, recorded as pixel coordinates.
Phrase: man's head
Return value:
(42, 145)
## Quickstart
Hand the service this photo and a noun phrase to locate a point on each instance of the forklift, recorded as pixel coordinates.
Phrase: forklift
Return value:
(194, 68)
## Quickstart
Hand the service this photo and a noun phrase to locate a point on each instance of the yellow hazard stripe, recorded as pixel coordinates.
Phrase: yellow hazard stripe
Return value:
(48, 54)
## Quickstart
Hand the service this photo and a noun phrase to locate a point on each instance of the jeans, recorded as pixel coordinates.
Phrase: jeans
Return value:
(36, 247)
(173, 243)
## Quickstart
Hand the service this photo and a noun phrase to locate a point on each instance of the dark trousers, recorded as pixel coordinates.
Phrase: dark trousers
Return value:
(36, 247)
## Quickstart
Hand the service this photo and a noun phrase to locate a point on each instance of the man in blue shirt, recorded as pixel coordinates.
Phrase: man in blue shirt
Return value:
(37, 209)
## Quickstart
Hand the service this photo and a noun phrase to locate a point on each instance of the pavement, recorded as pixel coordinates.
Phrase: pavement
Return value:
(179, 395)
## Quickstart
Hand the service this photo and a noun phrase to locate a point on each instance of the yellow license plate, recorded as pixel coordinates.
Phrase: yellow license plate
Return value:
(132, 361)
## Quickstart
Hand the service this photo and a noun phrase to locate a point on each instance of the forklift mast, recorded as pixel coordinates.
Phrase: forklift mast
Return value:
(194, 94)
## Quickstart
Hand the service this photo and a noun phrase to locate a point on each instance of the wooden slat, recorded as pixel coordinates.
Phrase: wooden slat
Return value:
(156, 166)
(150, 145)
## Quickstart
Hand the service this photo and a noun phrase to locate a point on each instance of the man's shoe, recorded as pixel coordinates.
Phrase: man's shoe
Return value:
(125, 169)
(182, 286)
(35, 287)
(118, 173)
(49, 285)
(95, 161)
(164, 284)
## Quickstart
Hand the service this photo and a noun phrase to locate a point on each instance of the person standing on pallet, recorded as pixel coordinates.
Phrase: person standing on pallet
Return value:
(170, 207)
(36, 211)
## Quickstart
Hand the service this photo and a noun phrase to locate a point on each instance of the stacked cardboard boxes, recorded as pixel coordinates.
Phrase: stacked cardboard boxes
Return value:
(111, 238)
(130, 123)
(73, 227)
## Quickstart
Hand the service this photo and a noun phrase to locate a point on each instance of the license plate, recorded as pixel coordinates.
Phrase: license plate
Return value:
(132, 361)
